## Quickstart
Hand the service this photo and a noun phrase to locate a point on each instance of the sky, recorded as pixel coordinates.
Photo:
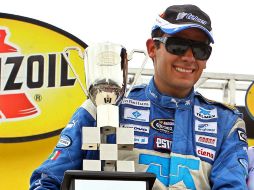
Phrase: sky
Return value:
(129, 22)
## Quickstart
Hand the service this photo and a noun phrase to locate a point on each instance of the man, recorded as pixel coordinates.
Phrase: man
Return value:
(189, 142)
(251, 168)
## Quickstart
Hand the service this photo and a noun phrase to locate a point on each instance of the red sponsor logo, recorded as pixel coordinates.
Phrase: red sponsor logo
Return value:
(206, 140)
(205, 152)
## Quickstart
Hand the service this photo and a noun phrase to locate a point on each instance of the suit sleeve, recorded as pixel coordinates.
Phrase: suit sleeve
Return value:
(67, 155)
(230, 168)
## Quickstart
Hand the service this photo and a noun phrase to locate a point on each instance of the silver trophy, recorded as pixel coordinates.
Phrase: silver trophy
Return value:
(106, 75)
(106, 72)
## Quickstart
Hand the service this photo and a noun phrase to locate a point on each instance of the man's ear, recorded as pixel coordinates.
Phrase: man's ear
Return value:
(204, 65)
(150, 46)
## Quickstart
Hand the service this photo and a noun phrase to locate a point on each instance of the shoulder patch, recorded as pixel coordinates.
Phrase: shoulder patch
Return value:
(228, 106)
(204, 98)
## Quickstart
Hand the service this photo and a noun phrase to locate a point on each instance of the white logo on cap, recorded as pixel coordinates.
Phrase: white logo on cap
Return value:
(190, 16)
(180, 16)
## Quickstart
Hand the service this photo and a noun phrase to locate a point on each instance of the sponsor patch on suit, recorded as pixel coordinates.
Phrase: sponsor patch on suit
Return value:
(206, 140)
(162, 143)
(207, 127)
(163, 125)
(137, 128)
(205, 152)
(136, 114)
(136, 102)
(64, 142)
(140, 140)
(205, 114)
(242, 135)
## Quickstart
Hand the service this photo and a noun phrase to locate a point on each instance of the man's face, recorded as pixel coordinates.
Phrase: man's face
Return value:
(175, 75)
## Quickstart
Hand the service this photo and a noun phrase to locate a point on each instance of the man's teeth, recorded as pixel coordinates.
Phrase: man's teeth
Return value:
(183, 70)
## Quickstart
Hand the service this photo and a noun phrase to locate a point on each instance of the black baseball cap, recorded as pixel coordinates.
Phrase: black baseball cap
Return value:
(177, 18)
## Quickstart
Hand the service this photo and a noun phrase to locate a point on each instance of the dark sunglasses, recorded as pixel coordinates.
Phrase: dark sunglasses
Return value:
(179, 46)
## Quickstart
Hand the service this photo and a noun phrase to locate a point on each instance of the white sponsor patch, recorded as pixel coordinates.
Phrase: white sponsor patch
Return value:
(242, 136)
(64, 142)
(205, 152)
(140, 140)
(136, 115)
(207, 127)
(206, 140)
(205, 114)
(137, 128)
(162, 143)
(136, 102)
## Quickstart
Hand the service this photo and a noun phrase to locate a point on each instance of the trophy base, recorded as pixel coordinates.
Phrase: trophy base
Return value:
(80, 180)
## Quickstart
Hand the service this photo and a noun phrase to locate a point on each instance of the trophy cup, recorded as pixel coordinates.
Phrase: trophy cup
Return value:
(106, 80)
(106, 75)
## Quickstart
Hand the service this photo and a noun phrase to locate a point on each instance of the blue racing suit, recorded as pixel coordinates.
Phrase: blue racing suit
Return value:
(190, 143)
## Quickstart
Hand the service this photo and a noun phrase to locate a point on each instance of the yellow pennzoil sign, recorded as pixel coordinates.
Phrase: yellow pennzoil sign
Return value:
(38, 90)
(249, 101)
(38, 93)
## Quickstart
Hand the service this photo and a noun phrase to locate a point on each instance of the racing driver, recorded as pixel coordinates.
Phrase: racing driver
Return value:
(188, 141)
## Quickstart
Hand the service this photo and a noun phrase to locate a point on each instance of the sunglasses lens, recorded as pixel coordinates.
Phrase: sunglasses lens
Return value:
(179, 46)
(176, 46)
(202, 51)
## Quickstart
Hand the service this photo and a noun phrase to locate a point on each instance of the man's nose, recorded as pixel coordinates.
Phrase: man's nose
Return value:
(188, 56)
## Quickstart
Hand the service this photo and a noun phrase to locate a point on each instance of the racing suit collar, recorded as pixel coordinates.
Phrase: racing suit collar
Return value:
(168, 101)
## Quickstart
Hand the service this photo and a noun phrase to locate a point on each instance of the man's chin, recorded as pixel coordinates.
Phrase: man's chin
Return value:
(185, 85)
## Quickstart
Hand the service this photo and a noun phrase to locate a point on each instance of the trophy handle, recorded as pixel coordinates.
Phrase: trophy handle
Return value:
(138, 73)
(80, 53)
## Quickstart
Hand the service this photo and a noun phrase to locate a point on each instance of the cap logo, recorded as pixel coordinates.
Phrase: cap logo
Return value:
(190, 16)
(180, 16)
